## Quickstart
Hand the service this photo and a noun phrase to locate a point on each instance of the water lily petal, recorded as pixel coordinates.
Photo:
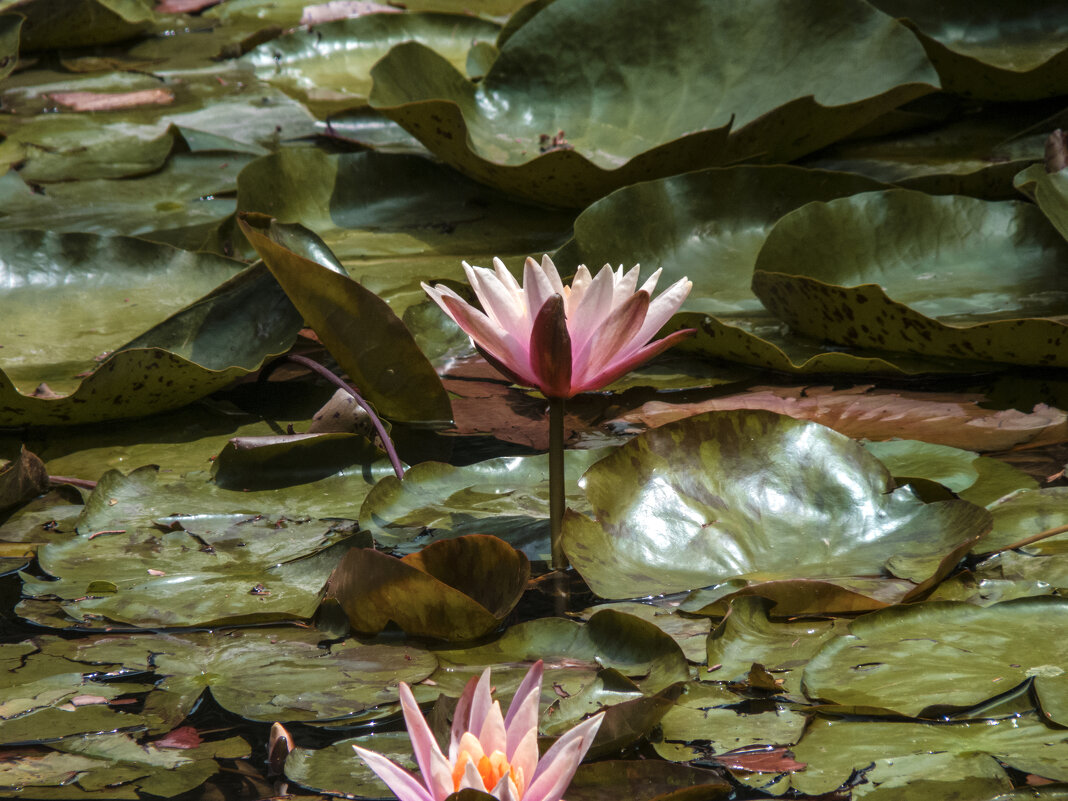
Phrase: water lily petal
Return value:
(561, 760)
(432, 763)
(492, 734)
(403, 784)
(501, 305)
(523, 712)
(481, 703)
(577, 291)
(461, 718)
(552, 274)
(611, 338)
(660, 310)
(505, 276)
(490, 338)
(595, 306)
(550, 350)
(624, 284)
(650, 282)
(537, 286)
(620, 367)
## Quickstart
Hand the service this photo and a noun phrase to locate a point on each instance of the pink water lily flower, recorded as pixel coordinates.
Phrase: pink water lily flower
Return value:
(564, 339)
(488, 751)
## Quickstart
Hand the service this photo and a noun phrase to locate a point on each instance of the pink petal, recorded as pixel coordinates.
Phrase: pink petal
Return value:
(660, 311)
(650, 282)
(461, 718)
(614, 335)
(481, 703)
(595, 306)
(561, 761)
(403, 784)
(537, 286)
(432, 763)
(624, 284)
(550, 350)
(574, 294)
(492, 734)
(503, 307)
(620, 367)
(525, 755)
(490, 338)
(552, 274)
(523, 711)
(505, 789)
(505, 276)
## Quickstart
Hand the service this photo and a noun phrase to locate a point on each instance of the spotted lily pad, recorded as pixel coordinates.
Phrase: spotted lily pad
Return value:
(949, 276)
(924, 761)
(261, 674)
(750, 495)
(188, 554)
(527, 125)
(921, 659)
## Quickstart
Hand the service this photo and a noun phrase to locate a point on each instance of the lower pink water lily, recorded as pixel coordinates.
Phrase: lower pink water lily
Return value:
(488, 751)
(564, 339)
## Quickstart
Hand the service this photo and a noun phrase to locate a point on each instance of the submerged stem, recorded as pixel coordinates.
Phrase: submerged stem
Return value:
(556, 501)
(383, 435)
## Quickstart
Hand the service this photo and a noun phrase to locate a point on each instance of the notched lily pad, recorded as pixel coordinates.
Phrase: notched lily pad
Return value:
(753, 496)
(936, 276)
(527, 127)
(924, 659)
(989, 49)
(457, 589)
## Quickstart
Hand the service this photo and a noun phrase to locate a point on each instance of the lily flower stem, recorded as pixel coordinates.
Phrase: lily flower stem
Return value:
(383, 435)
(556, 502)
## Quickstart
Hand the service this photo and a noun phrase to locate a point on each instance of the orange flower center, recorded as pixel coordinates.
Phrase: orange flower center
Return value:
(492, 768)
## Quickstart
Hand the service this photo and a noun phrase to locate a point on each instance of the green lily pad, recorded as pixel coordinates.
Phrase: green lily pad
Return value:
(113, 766)
(574, 654)
(906, 459)
(336, 769)
(746, 636)
(706, 721)
(920, 659)
(764, 341)
(225, 334)
(261, 674)
(952, 276)
(457, 589)
(270, 462)
(84, 22)
(991, 50)
(180, 204)
(1026, 514)
(220, 560)
(327, 66)
(507, 497)
(924, 761)
(644, 780)
(62, 147)
(707, 225)
(46, 698)
(527, 125)
(369, 341)
(689, 632)
(974, 153)
(747, 495)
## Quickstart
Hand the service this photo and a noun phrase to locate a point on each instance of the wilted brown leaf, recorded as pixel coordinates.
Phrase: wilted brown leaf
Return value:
(22, 479)
(944, 419)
